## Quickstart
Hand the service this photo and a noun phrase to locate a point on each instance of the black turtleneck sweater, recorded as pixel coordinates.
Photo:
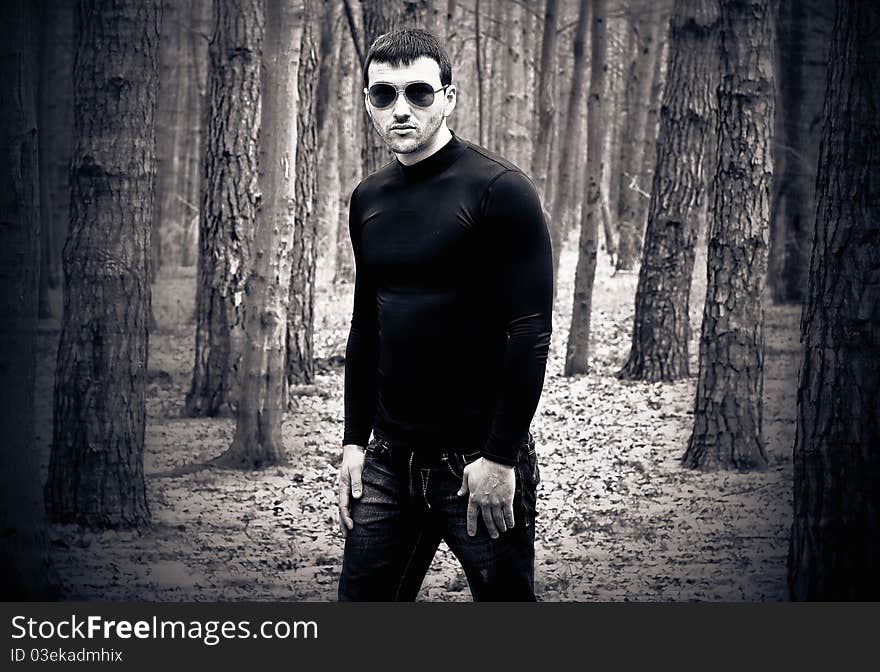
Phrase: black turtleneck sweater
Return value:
(452, 304)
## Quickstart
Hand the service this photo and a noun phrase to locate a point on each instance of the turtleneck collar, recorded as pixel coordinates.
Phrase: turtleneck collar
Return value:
(436, 163)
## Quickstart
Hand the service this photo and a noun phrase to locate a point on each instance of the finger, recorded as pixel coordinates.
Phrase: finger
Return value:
(344, 502)
(498, 517)
(463, 490)
(471, 518)
(487, 520)
(343, 483)
(342, 527)
(345, 517)
(508, 514)
(355, 476)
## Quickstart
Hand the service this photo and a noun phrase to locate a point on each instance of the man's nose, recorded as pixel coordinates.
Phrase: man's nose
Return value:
(401, 109)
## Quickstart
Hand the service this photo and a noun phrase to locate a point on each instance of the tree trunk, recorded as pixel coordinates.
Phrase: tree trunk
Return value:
(520, 141)
(96, 475)
(191, 160)
(661, 327)
(577, 351)
(328, 73)
(801, 41)
(300, 312)
(545, 102)
(640, 72)
(172, 96)
(728, 408)
(561, 197)
(652, 123)
(55, 126)
(258, 440)
(229, 202)
(621, 47)
(328, 85)
(28, 573)
(348, 136)
(835, 538)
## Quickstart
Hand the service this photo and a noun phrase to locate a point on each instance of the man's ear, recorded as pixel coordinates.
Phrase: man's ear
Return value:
(449, 100)
(367, 106)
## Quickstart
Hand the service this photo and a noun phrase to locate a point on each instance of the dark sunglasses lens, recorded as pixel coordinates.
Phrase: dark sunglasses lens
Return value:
(420, 94)
(382, 95)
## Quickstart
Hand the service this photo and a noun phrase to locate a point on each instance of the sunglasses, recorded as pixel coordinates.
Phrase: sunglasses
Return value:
(420, 94)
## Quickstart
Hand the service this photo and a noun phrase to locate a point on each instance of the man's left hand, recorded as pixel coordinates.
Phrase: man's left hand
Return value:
(490, 486)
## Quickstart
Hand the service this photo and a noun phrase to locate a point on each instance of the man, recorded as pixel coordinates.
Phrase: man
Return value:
(447, 349)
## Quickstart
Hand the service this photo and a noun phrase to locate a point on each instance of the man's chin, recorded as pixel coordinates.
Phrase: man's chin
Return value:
(404, 147)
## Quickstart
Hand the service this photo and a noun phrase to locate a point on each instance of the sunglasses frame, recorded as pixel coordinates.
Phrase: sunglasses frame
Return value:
(402, 90)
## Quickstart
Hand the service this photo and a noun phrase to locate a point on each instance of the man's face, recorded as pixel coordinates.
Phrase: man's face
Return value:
(405, 127)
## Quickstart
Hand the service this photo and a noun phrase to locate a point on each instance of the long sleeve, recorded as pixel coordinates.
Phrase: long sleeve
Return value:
(362, 349)
(523, 270)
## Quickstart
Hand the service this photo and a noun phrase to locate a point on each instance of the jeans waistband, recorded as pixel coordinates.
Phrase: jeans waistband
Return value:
(432, 454)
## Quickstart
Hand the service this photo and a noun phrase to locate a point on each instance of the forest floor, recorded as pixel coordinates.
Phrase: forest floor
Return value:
(618, 518)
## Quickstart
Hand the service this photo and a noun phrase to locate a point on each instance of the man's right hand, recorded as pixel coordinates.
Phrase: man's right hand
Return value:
(349, 483)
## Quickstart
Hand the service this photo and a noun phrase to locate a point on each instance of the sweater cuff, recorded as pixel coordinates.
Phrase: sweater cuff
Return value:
(506, 455)
(355, 439)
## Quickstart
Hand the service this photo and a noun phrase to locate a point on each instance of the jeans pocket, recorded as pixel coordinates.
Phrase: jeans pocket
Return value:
(532, 460)
(377, 456)
(458, 461)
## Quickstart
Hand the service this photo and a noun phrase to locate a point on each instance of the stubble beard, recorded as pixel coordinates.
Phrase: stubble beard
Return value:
(408, 145)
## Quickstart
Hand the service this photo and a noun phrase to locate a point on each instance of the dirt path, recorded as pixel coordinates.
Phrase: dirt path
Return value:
(618, 518)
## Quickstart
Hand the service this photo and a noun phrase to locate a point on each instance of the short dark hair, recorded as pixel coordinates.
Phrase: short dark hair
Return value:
(402, 47)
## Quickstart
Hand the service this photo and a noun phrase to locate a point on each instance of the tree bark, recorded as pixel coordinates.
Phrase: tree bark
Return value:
(640, 73)
(561, 198)
(545, 102)
(621, 47)
(331, 79)
(229, 195)
(661, 327)
(258, 440)
(835, 537)
(728, 407)
(802, 40)
(348, 137)
(55, 126)
(652, 123)
(519, 139)
(96, 473)
(577, 351)
(300, 312)
(191, 159)
(172, 96)
(27, 569)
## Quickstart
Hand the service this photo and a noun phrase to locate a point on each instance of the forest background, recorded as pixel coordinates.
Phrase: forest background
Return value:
(180, 280)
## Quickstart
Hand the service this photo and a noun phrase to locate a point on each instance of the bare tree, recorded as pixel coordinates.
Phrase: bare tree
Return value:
(229, 202)
(348, 137)
(545, 102)
(96, 475)
(567, 169)
(577, 351)
(801, 55)
(729, 407)
(24, 547)
(300, 310)
(661, 327)
(55, 126)
(257, 440)
(647, 26)
(835, 536)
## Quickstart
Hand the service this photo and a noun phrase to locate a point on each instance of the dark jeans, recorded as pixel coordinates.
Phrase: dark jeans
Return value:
(409, 504)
